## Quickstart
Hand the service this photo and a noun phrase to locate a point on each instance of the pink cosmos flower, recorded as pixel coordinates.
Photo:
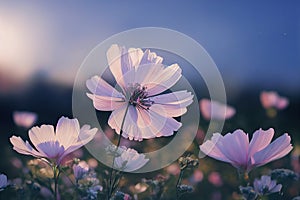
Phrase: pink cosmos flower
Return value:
(142, 78)
(215, 110)
(235, 148)
(24, 119)
(51, 145)
(273, 100)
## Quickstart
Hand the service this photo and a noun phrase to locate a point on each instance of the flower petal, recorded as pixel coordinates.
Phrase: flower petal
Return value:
(121, 61)
(142, 124)
(235, 148)
(105, 97)
(150, 57)
(161, 125)
(172, 104)
(158, 78)
(277, 188)
(277, 149)
(24, 147)
(116, 118)
(213, 148)
(85, 136)
(130, 160)
(38, 135)
(67, 131)
(260, 140)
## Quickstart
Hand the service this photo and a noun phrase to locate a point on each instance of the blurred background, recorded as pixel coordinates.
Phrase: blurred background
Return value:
(256, 47)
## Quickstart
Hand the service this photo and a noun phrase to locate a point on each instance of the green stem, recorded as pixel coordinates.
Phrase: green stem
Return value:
(56, 173)
(112, 178)
(178, 183)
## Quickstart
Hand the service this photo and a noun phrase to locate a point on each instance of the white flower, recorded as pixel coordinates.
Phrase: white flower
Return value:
(51, 145)
(24, 119)
(3, 181)
(130, 160)
(142, 78)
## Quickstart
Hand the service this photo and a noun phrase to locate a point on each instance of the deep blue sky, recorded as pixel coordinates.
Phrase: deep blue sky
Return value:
(253, 43)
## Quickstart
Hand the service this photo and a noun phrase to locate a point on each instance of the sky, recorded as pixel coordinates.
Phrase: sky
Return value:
(253, 43)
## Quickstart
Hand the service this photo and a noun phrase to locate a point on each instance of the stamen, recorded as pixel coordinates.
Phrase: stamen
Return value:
(138, 96)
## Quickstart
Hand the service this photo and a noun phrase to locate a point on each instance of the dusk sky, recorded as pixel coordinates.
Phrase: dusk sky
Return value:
(252, 44)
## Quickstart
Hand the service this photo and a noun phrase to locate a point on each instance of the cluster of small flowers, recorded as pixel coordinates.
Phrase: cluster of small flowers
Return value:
(87, 182)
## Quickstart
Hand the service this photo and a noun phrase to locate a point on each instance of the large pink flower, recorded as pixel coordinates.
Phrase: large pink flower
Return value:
(235, 148)
(142, 78)
(51, 145)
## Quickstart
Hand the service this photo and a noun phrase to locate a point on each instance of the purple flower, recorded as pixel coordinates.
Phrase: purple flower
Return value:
(51, 145)
(215, 110)
(265, 186)
(3, 181)
(141, 77)
(24, 119)
(80, 169)
(235, 148)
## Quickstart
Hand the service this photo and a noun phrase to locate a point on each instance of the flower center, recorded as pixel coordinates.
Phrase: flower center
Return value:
(138, 96)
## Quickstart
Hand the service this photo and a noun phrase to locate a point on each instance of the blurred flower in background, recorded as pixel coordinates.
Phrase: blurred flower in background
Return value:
(3, 181)
(272, 102)
(173, 169)
(24, 118)
(215, 179)
(80, 169)
(215, 110)
(196, 177)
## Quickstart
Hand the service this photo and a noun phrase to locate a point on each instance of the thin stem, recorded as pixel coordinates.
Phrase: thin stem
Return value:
(178, 183)
(56, 173)
(116, 181)
(112, 178)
